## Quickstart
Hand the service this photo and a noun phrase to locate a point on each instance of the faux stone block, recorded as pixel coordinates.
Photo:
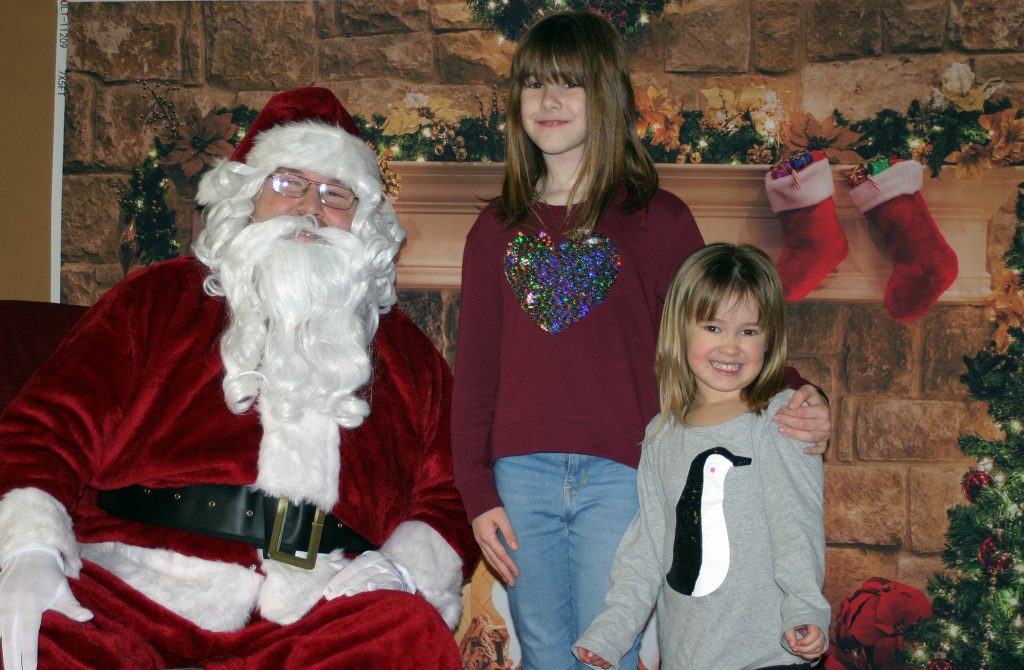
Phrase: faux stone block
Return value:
(932, 491)
(90, 228)
(120, 41)
(474, 56)
(284, 32)
(376, 17)
(353, 57)
(815, 327)
(915, 25)
(848, 567)
(451, 16)
(78, 283)
(839, 29)
(990, 24)
(950, 333)
(865, 505)
(777, 35)
(709, 36)
(879, 353)
(78, 120)
(888, 429)
(860, 88)
(117, 139)
(915, 569)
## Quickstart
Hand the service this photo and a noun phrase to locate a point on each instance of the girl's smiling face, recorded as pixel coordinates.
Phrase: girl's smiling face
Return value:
(726, 352)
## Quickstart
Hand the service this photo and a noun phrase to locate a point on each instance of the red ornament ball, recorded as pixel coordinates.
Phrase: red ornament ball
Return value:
(974, 482)
(992, 557)
(939, 664)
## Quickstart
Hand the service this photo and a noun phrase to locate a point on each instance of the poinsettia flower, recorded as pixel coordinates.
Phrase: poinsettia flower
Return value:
(959, 86)
(1007, 135)
(971, 160)
(666, 134)
(725, 109)
(419, 110)
(958, 79)
(1005, 306)
(654, 100)
(658, 114)
(875, 618)
(806, 133)
(202, 142)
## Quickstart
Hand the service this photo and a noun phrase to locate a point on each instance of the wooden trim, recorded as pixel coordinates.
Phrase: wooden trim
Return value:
(438, 203)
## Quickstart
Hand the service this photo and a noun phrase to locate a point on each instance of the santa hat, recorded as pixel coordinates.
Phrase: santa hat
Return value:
(309, 129)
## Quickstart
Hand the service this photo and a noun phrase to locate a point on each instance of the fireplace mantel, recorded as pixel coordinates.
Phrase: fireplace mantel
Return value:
(438, 203)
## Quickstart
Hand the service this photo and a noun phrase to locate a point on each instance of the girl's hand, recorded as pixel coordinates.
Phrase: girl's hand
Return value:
(590, 658)
(810, 422)
(485, 529)
(807, 642)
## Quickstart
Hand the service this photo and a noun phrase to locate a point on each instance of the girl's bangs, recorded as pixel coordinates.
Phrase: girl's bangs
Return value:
(556, 60)
(714, 295)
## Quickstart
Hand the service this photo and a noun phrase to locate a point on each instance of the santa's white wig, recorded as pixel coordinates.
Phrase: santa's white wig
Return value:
(304, 301)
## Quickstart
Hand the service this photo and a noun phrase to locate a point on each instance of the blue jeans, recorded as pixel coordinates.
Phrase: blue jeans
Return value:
(569, 512)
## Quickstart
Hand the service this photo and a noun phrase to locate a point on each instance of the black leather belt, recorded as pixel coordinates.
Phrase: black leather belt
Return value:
(239, 513)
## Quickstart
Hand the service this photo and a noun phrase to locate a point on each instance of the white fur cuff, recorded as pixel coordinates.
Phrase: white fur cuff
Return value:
(804, 188)
(434, 566)
(31, 516)
(903, 178)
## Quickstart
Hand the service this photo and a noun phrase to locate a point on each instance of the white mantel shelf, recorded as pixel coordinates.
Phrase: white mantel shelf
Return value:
(438, 203)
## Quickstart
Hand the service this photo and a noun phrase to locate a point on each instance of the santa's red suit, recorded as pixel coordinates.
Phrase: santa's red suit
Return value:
(135, 396)
(144, 372)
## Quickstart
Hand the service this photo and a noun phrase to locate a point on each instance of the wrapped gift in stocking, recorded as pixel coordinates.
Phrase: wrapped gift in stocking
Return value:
(923, 264)
(800, 193)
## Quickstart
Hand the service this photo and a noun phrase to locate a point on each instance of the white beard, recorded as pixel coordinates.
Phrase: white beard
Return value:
(297, 346)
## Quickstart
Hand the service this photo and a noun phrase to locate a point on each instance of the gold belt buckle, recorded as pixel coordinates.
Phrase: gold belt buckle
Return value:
(316, 530)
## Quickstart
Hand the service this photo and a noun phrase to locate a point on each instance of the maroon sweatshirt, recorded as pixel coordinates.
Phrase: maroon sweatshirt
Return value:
(585, 384)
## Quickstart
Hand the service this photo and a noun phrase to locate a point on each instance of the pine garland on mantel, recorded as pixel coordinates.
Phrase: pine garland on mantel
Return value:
(964, 123)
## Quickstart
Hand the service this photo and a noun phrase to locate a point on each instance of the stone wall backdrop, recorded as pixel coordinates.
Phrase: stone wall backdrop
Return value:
(893, 467)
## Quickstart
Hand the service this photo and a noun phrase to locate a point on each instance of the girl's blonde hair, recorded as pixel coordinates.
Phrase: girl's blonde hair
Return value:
(709, 279)
(584, 49)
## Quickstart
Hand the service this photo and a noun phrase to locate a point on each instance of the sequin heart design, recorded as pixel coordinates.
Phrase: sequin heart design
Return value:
(559, 285)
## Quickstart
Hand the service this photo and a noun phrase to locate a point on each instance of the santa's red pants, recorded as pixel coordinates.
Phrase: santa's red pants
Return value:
(379, 630)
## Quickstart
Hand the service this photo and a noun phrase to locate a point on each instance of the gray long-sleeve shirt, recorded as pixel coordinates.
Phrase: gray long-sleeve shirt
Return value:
(749, 560)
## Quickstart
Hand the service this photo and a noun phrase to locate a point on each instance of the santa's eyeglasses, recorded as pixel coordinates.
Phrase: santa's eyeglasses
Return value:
(294, 186)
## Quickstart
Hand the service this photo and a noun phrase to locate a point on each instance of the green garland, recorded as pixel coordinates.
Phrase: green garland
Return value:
(929, 133)
(511, 18)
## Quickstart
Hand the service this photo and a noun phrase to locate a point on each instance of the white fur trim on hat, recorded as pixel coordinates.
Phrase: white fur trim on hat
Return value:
(324, 149)
(31, 516)
(805, 188)
(903, 178)
(434, 566)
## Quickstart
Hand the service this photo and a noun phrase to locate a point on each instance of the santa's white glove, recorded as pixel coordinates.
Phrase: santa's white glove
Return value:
(32, 581)
(368, 571)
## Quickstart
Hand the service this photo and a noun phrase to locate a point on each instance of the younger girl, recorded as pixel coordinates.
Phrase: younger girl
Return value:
(563, 279)
(729, 540)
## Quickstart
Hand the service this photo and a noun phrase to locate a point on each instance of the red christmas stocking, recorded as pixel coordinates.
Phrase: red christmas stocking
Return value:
(923, 264)
(813, 242)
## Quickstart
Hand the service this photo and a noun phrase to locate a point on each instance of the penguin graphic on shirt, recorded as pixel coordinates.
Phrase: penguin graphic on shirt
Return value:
(700, 553)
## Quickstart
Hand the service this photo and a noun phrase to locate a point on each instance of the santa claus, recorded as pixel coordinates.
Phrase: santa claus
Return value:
(242, 459)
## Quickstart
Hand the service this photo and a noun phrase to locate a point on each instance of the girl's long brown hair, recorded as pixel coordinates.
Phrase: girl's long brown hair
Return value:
(707, 280)
(582, 48)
